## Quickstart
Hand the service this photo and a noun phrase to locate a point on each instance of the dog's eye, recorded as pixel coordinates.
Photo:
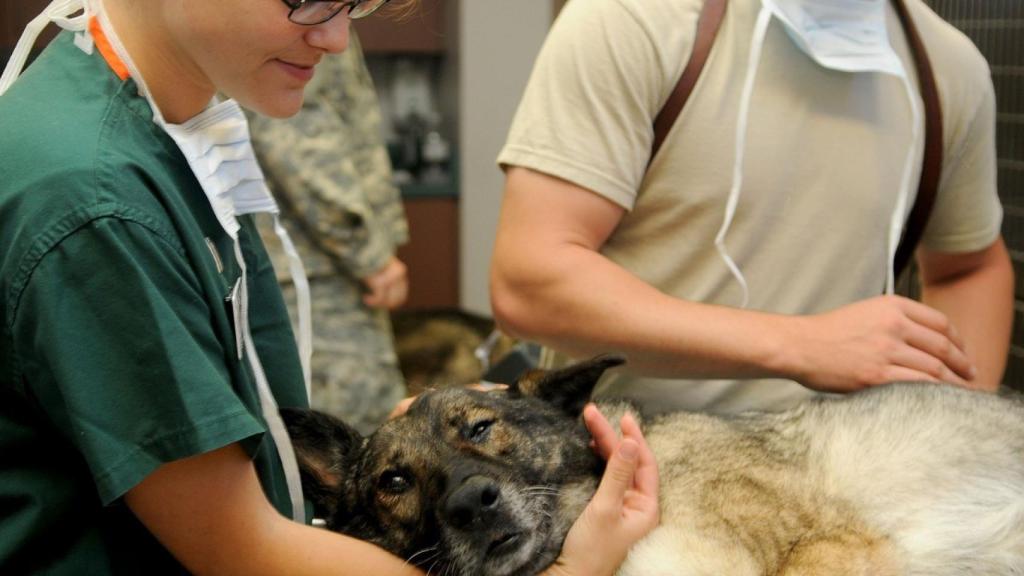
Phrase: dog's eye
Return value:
(480, 430)
(393, 482)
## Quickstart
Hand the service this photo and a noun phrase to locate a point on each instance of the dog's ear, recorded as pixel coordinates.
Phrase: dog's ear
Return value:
(325, 448)
(568, 388)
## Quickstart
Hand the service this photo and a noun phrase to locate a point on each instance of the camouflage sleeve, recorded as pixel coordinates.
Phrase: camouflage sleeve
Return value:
(328, 167)
(359, 109)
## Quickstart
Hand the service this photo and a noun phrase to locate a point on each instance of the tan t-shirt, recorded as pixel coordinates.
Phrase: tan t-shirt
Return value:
(824, 156)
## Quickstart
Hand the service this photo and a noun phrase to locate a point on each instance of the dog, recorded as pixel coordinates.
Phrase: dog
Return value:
(442, 347)
(905, 479)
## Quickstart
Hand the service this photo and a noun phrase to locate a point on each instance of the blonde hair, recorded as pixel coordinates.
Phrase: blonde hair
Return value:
(401, 9)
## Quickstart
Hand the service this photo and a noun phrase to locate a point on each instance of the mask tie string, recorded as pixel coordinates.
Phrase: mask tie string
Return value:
(757, 44)
(271, 414)
(303, 301)
(59, 12)
(899, 213)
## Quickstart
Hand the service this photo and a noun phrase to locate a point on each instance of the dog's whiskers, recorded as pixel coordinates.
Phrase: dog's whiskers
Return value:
(542, 490)
(429, 549)
(432, 557)
(540, 493)
(446, 568)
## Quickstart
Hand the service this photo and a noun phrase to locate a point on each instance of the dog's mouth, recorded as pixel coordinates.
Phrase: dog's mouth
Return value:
(515, 540)
(519, 547)
(504, 544)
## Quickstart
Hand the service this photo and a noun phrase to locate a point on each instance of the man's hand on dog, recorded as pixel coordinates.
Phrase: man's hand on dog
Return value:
(876, 341)
(624, 508)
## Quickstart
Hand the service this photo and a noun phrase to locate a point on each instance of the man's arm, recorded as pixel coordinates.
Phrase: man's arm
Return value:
(975, 291)
(550, 283)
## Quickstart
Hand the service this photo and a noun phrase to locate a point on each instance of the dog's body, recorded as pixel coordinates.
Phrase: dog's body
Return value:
(908, 479)
(899, 480)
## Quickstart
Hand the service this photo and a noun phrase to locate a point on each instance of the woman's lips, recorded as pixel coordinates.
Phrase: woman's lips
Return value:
(297, 71)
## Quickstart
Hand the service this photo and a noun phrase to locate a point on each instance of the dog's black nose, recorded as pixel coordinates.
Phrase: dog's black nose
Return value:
(473, 502)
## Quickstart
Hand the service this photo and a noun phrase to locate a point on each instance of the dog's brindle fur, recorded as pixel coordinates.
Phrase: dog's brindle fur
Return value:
(906, 479)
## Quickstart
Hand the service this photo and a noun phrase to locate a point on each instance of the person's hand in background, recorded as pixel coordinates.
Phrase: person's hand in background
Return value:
(388, 287)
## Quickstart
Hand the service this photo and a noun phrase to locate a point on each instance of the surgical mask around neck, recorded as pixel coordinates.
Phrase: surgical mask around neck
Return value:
(844, 35)
(217, 145)
(848, 36)
(218, 149)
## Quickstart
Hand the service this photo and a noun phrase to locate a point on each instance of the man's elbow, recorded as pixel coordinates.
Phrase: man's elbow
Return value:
(528, 290)
(509, 304)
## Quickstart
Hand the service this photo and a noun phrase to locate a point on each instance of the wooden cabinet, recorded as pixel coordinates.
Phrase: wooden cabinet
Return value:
(14, 15)
(420, 31)
(431, 254)
(421, 36)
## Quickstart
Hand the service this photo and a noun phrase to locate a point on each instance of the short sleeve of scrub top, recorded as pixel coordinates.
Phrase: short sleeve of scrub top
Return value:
(131, 385)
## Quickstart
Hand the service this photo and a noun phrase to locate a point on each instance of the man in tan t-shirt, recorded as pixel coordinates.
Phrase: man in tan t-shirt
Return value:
(598, 252)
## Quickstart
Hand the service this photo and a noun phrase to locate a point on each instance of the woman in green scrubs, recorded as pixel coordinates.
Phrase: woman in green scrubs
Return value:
(145, 344)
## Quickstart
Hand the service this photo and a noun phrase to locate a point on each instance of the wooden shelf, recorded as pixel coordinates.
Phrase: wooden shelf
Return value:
(431, 254)
(422, 31)
(14, 15)
(432, 209)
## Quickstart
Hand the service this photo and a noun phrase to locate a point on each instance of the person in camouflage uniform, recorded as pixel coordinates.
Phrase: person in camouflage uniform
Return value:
(329, 171)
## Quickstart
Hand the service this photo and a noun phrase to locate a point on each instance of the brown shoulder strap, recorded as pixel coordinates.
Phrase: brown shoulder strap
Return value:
(707, 29)
(708, 23)
(932, 169)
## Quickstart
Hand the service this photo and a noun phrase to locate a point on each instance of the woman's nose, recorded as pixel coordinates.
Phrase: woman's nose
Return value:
(330, 36)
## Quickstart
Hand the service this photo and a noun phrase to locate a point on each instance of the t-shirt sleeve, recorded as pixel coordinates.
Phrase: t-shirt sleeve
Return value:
(115, 342)
(587, 112)
(967, 215)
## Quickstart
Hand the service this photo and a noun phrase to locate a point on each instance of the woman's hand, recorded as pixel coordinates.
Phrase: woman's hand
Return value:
(624, 508)
(388, 287)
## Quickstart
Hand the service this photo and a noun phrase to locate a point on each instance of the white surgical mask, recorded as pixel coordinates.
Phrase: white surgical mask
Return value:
(846, 35)
(218, 149)
(843, 35)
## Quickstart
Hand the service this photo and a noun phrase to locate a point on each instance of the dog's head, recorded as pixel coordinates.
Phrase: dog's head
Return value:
(466, 481)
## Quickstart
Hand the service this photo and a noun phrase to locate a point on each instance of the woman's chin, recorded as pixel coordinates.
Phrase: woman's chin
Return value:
(284, 105)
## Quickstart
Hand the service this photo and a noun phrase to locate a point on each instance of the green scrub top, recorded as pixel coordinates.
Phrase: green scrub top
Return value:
(118, 349)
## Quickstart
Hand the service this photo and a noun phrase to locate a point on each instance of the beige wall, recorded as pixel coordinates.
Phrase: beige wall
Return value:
(498, 41)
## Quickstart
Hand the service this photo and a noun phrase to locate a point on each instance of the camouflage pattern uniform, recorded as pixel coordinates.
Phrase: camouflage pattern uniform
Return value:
(330, 173)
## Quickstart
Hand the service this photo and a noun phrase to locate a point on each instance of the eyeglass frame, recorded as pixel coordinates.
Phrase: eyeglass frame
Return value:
(349, 4)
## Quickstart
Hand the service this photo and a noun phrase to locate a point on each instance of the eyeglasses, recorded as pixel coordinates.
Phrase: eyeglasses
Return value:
(312, 12)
